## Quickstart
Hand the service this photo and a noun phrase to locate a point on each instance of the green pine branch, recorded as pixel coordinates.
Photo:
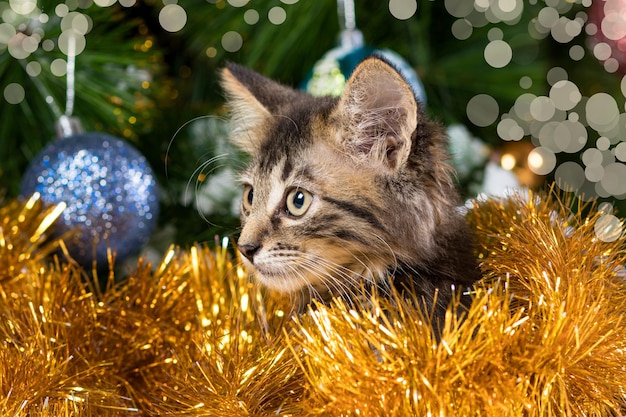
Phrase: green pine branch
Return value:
(156, 89)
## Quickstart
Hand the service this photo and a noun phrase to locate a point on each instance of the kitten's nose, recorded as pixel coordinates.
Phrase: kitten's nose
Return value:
(249, 250)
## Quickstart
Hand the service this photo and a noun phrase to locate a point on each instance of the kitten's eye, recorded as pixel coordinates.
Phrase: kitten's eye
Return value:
(248, 197)
(298, 201)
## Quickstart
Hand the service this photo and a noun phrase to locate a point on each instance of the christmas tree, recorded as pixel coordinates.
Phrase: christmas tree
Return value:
(538, 82)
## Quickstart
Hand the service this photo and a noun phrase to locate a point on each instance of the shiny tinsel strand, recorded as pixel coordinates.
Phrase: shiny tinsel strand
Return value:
(387, 359)
(223, 354)
(47, 319)
(544, 335)
(190, 336)
(573, 286)
(193, 336)
(24, 227)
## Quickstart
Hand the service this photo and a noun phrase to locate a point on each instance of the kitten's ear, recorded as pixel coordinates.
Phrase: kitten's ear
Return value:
(252, 99)
(247, 114)
(378, 112)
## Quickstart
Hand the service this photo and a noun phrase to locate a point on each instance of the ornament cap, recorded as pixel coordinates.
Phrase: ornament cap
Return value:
(68, 126)
(351, 39)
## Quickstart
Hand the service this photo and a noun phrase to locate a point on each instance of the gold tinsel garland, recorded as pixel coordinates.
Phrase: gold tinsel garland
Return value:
(192, 336)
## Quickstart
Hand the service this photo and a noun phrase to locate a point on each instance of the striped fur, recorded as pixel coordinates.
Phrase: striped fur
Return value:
(370, 171)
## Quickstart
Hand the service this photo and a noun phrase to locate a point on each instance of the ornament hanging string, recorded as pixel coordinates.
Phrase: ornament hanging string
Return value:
(66, 125)
(71, 75)
(351, 37)
(347, 17)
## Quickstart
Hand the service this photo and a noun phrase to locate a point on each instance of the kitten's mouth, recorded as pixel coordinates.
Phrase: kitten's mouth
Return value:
(269, 273)
(279, 279)
(280, 282)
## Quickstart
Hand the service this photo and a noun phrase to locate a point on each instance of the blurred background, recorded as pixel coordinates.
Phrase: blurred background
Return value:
(531, 91)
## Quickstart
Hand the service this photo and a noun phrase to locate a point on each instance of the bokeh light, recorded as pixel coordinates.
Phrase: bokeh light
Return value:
(238, 3)
(172, 17)
(58, 67)
(47, 45)
(608, 228)
(620, 151)
(104, 3)
(251, 17)
(7, 32)
(33, 68)
(564, 120)
(525, 82)
(482, 110)
(277, 15)
(541, 160)
(556, 74)
(71, 42)
(569, 176)
(576, 52)
(614, 23)
(23, 7)
(232, 41)
(508, 161)
(603, 143)
(458, 8)
(565, 95)
(211, 52)
(462, 29)
(14, 93)
(602, 112)
(498, 53)
(602, 51)
(78, 22)
(402, 9)
(61, 10)
(542, 109)
(614, 179)
(509, 130)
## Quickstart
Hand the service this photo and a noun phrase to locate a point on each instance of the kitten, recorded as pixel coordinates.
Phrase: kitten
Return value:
(342, 194)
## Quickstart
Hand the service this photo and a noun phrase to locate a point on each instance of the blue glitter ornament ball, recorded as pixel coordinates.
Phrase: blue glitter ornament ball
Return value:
(110, 192)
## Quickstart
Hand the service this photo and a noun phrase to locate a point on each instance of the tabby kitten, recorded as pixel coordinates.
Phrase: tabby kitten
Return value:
(347, 193)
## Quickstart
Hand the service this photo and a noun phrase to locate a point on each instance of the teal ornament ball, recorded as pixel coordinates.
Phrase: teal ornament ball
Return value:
(330, 73)
(109, 189)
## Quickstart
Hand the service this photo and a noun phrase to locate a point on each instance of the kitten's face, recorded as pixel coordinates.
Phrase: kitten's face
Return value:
(336, 192)
(312, 214)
